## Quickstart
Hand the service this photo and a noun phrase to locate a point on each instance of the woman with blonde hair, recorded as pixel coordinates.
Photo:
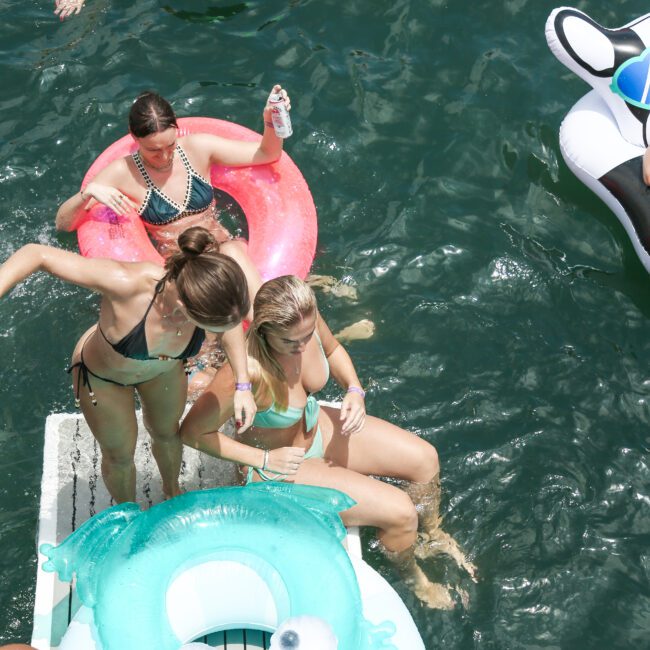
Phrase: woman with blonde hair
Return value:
(292, 353)
(150, 320)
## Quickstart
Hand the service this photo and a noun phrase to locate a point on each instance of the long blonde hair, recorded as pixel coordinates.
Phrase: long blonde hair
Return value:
(279, 304)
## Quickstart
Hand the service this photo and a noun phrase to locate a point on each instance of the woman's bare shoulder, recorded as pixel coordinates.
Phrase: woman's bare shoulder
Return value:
(205, 144)
(116, 170)
(135, 278)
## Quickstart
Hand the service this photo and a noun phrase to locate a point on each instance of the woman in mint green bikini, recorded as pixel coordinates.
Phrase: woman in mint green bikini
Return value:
(291, 355)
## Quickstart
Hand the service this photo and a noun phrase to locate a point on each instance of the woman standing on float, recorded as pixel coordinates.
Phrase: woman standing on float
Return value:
(150, 320)
(167, 180)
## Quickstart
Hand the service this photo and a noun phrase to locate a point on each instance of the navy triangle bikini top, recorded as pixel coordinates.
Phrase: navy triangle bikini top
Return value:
(134, 344)
(158, 209)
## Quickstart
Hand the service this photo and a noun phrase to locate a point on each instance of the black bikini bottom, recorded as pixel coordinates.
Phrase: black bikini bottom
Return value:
(83, 378)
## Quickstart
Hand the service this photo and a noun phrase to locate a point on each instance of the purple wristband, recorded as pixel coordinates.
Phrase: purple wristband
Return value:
(243, 385)
(356, 389)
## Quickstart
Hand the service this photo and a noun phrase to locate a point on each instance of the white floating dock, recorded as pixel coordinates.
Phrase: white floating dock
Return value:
(72, 491)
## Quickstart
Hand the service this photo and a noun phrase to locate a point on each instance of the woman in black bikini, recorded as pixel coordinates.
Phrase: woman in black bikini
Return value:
(150, 320)
(167, 181)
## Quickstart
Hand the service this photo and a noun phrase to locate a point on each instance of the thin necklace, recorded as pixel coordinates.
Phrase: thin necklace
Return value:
(171, 318)
(164, 168)
(296, 366)
(179, 326)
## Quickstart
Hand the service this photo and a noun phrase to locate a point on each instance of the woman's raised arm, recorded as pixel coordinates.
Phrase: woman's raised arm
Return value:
(239, 153)
(105, 276)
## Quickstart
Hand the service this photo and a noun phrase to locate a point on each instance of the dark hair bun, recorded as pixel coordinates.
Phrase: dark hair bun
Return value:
(212, 286)
(197, 240)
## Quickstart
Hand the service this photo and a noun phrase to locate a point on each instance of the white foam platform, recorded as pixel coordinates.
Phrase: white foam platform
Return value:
(72, 491)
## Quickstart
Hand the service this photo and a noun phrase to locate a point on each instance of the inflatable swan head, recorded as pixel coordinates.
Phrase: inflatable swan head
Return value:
(304, 633)
(615, 62)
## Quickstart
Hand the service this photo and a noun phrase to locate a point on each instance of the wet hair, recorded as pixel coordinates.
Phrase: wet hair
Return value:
(211, 285)
(279, 304)
(149, 114)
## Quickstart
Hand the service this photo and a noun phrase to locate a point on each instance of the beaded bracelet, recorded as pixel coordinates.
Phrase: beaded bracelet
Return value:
(356, 389)
(243, 385)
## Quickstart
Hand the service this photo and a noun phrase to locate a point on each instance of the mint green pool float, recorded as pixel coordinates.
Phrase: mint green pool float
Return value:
(240, 557)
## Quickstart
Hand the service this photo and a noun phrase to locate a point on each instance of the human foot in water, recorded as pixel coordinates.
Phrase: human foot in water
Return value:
(362, 329)
(432, 594)
(435, 542)
(329, 284)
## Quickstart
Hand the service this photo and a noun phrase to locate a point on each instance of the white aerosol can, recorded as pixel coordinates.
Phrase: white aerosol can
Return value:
(280, 116)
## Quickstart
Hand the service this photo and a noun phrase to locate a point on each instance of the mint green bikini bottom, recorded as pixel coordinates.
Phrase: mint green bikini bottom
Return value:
(315, 451)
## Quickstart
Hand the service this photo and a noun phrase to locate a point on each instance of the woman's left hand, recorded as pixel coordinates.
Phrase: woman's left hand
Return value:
(353, 413)
(245, 409)
(65, 8)
(268, 109)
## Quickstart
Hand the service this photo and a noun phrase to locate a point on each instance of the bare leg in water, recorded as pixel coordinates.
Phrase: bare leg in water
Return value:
(382, 449)
(432, 540)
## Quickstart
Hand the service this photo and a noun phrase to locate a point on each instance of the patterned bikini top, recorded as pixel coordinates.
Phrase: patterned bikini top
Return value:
(158, 209)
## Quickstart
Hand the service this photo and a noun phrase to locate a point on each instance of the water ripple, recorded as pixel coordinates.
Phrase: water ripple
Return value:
(511, 312)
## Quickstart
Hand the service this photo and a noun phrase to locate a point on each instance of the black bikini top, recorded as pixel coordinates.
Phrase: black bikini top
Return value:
(134, 344)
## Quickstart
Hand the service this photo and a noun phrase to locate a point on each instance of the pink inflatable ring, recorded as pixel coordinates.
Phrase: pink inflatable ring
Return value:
(275, 199)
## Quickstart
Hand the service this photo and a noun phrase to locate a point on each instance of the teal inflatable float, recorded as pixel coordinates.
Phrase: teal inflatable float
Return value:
(163, 577)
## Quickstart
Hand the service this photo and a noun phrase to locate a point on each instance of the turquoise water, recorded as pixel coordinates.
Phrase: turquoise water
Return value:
(511, 311)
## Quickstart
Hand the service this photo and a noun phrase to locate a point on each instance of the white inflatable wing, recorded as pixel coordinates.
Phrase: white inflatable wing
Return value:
(605, 134)
(614, 62)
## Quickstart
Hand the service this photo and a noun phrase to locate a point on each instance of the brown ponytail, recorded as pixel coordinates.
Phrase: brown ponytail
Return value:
(211, 285)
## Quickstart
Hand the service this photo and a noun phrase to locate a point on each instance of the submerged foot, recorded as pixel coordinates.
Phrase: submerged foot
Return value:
(362, 329)
(321, 281)
(463, 595)
(432, 594)
(436, 542)
(329, 284)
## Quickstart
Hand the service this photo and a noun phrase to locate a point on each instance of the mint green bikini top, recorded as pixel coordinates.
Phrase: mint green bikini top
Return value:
(271, 418)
